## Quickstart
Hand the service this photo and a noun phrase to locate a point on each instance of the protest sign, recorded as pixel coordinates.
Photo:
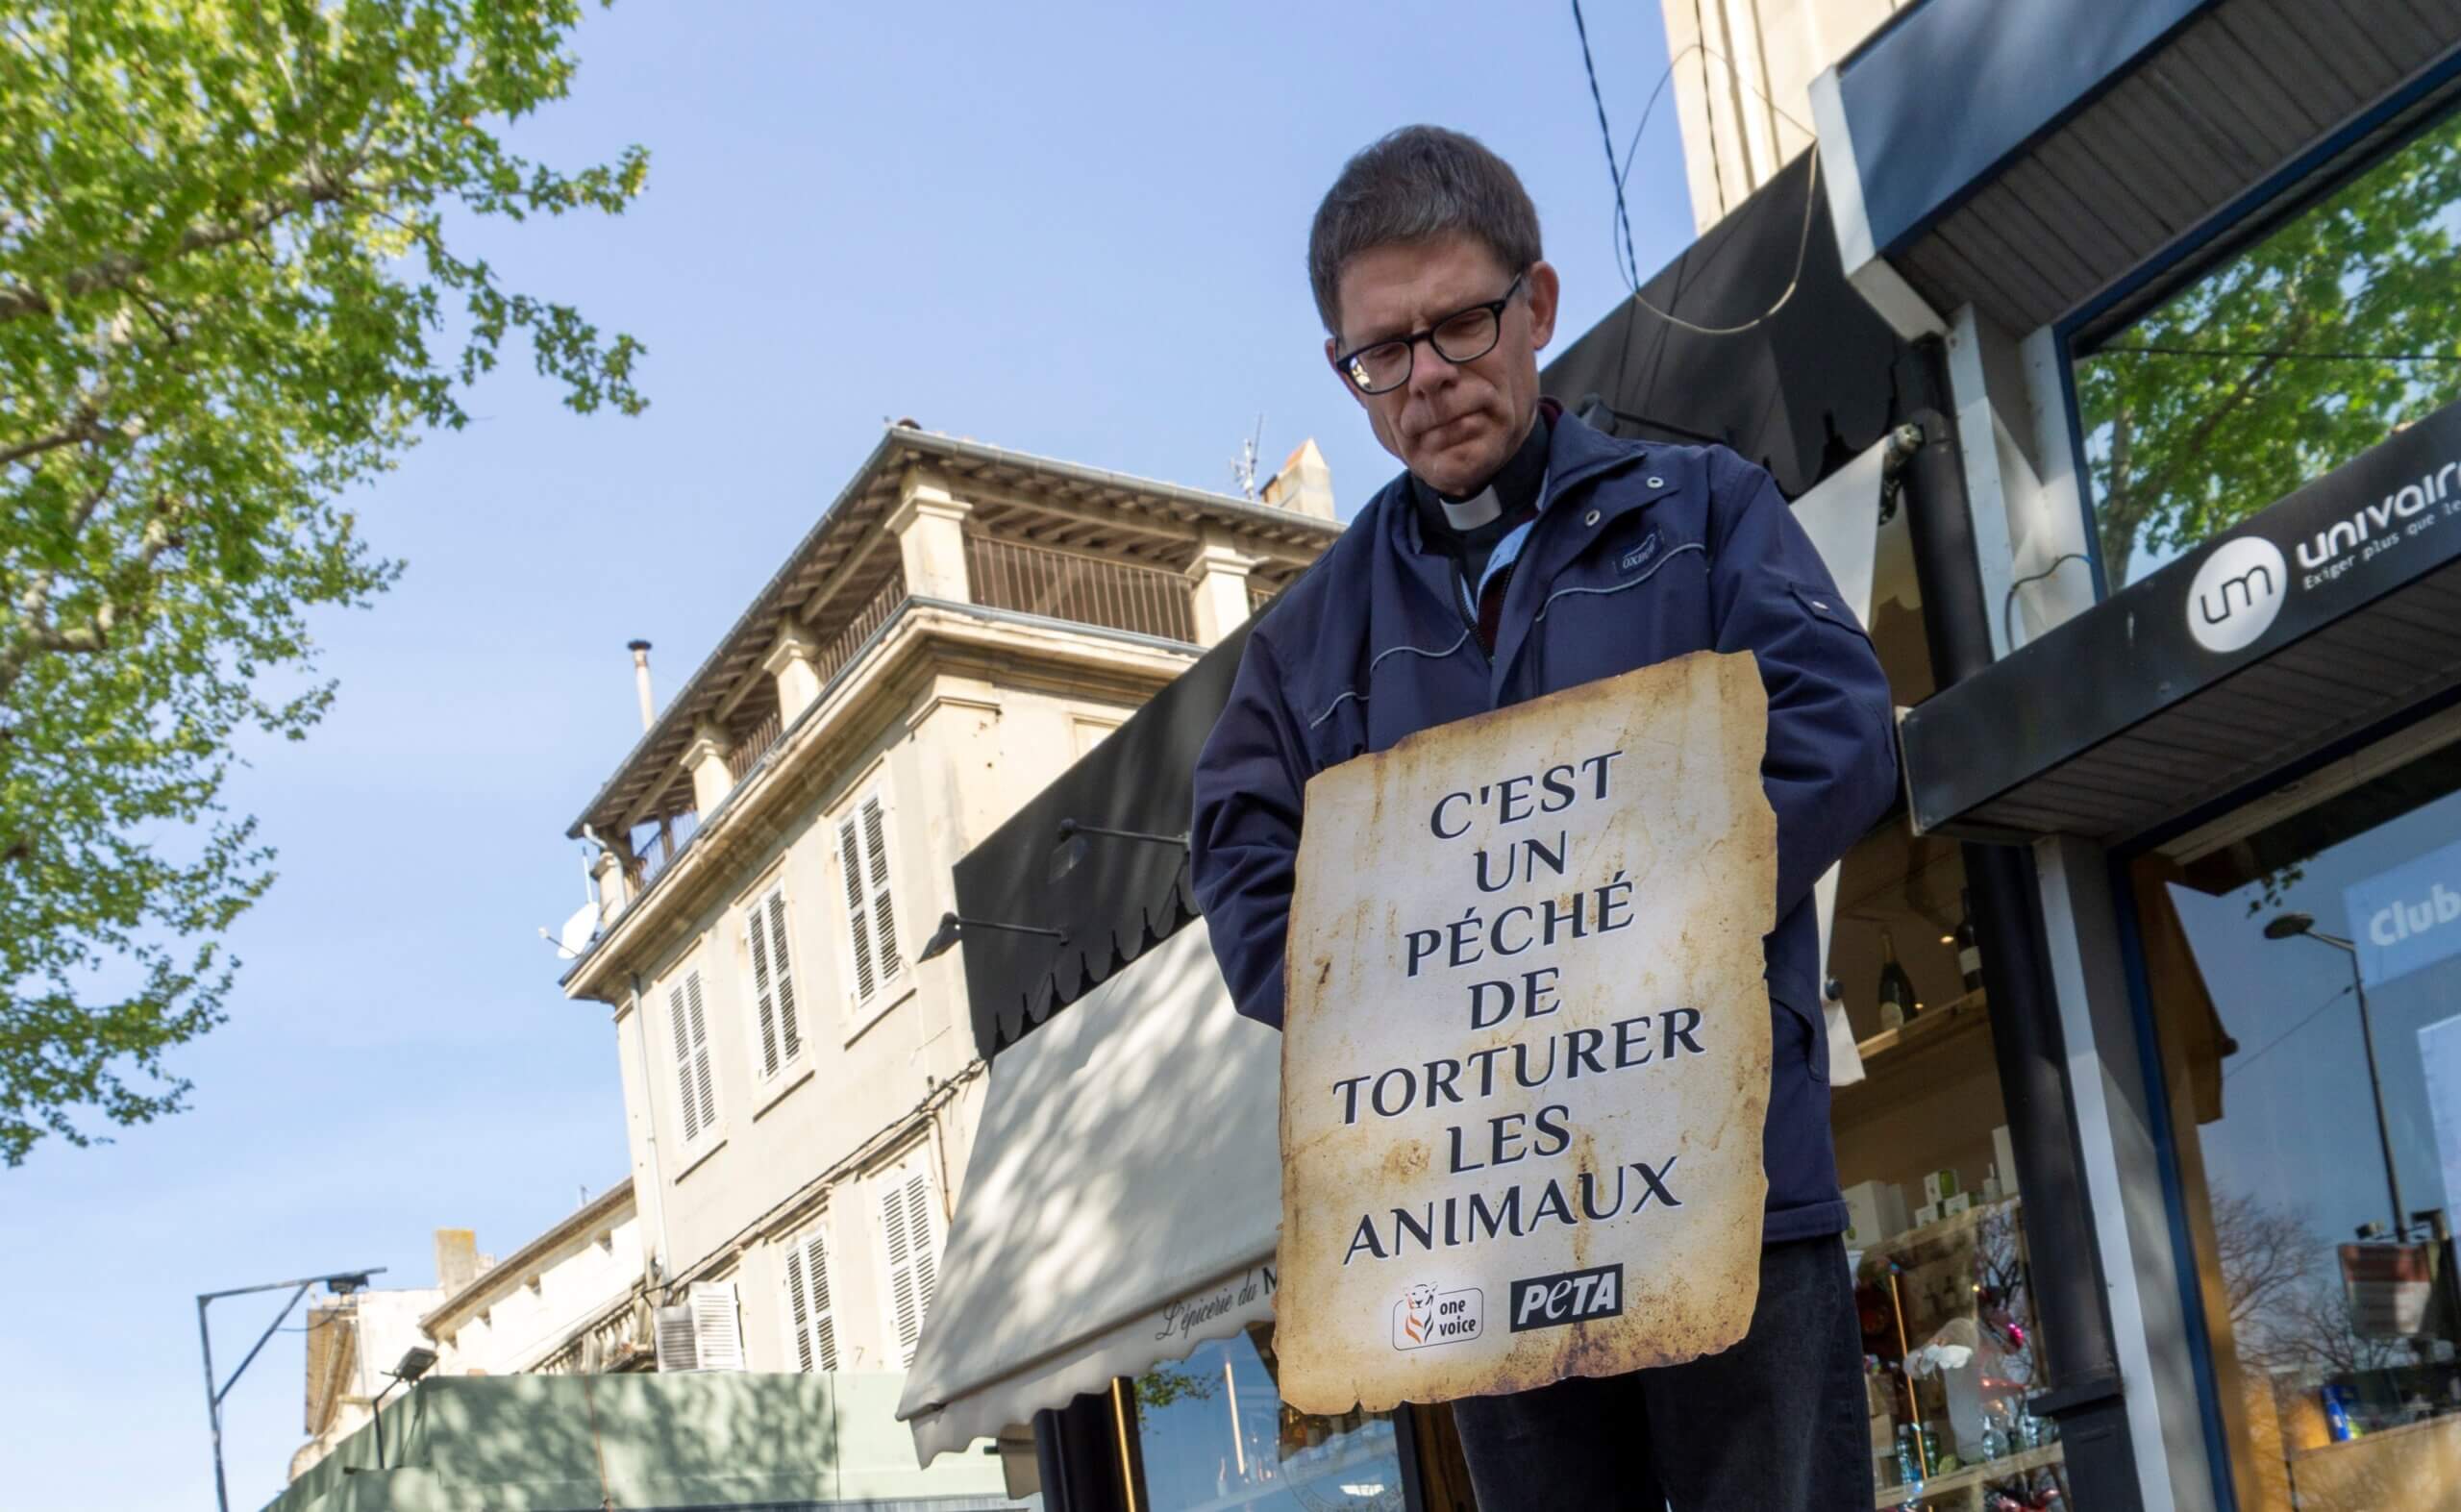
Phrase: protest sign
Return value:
(1525, 1054)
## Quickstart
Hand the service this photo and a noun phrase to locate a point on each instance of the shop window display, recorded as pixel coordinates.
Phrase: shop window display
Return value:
(2302, 973)
(2322, 339)
(1212, 1433)
(1938, 1241)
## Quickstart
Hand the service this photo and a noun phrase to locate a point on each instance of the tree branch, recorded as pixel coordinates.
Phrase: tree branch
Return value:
(121, 268)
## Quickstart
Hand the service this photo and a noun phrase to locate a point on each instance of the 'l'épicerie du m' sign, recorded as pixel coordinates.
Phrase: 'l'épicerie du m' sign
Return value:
(1525, 1051)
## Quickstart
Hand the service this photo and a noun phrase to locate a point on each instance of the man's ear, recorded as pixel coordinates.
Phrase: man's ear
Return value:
(1331, 353)
(1543, 288)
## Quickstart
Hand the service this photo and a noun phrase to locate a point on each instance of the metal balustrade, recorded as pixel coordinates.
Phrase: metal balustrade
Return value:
(1091, 590)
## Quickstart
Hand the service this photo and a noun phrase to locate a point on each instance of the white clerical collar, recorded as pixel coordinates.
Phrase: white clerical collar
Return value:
(1474, 511)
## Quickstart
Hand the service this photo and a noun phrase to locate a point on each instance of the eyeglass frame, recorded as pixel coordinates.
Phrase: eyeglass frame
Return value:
(1495, 308)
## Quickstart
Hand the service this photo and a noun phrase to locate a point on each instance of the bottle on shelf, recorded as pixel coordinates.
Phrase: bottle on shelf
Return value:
(1969, 953)
(1896, 989)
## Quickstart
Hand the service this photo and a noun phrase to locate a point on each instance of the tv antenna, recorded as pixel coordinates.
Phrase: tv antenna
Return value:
(1243, 471)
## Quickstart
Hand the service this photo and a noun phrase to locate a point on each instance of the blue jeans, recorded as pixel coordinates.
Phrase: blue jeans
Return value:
(1776, 1424)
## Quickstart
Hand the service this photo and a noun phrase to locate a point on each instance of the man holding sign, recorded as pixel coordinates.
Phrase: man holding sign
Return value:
(1515, 1020)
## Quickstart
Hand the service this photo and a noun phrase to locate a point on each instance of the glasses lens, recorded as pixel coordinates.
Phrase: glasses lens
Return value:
(1381, 367)
(1467, 336)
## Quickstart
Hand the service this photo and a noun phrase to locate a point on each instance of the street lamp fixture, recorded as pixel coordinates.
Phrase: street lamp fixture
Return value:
(341, 1284)
(944, 939)
(2293, 925)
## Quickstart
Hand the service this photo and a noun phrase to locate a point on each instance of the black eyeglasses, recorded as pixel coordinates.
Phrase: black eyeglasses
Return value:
(1464, 335)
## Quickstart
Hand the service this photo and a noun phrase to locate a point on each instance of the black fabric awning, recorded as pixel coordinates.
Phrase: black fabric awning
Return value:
(1799, 393)
(1118, 899)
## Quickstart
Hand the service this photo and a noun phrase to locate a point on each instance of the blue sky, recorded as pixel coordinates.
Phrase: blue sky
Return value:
(1065, 229)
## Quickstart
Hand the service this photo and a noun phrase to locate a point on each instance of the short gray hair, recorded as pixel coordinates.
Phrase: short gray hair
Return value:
(1413, 186)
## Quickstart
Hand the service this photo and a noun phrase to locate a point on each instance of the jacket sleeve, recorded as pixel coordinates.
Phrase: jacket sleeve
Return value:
(1830, 770)
(1243, 837)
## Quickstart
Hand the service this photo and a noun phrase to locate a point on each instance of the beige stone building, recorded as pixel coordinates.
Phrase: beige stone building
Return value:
(1743, 71)
(801, 1090)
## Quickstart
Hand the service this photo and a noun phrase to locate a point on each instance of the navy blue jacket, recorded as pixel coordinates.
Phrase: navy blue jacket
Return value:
(1641, 553)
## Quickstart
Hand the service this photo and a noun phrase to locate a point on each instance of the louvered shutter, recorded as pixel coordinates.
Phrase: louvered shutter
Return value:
(675, 1341)
(773, 981)
(790, 1037)
(913, 1256)
(883, 915)
(807, 1303)
(686, 1097)
(850, 857)
(718, 1329)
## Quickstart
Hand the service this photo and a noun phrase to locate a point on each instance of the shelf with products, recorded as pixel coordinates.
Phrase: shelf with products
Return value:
(1962, 1486)
(1950, 1361)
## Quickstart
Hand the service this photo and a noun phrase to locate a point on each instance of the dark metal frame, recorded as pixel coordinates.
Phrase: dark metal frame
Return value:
(2029, 1047)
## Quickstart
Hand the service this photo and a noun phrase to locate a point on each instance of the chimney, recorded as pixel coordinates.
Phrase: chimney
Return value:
(1304, 484)
(640, 650)
(457, 1259)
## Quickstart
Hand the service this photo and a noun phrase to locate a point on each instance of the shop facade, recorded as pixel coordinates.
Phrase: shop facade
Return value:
(2116, 378)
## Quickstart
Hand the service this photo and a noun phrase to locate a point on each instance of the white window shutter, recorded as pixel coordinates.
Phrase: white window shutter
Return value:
(675, 1341)
(701, 1078)
(686, 1098)
(883, 915)
(764, 999)
(807, 1303)
(781, 964)
(913, 1256)
(850, 858)
(717, 1329)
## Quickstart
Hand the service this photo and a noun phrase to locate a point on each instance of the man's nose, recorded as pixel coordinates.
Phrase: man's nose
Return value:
(1429, 373)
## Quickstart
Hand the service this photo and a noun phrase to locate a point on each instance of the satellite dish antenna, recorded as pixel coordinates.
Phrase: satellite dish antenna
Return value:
(576, 932)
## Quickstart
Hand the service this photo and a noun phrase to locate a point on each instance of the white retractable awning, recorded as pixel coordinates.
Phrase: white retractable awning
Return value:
(1121, 1207)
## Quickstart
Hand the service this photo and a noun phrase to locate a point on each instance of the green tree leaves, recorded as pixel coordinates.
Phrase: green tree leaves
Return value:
(2286, 361)
(227, 295)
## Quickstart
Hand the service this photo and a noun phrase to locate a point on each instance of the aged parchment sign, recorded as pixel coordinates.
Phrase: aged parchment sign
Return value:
(1525, 1054)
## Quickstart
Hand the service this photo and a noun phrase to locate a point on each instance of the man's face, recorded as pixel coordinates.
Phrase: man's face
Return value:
(1453, 424)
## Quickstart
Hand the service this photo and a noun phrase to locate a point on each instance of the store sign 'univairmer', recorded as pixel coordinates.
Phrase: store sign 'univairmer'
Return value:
(1526, 1061)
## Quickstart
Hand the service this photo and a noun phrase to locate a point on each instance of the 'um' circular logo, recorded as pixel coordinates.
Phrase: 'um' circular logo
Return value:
(2236, 593)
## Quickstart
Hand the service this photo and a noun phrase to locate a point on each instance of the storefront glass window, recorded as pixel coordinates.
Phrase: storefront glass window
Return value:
(2305, 979)
(1212, 1433)
(2289, 360)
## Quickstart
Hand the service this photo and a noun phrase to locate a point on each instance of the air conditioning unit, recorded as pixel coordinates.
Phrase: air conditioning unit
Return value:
(702, 1332)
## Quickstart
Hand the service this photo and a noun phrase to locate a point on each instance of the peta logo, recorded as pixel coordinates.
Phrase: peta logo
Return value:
(1551, 1302)
(1426, 1316)
(2236, 594)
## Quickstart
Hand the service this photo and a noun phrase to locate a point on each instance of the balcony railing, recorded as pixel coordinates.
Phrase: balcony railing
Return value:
(840, 648)
(753, 745)
(1035, 579)
(652, 852)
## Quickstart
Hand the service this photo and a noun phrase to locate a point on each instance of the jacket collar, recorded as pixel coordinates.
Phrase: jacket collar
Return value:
(1579, 456)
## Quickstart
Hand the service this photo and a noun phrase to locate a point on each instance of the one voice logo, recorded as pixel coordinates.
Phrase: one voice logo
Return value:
(1426, 1316)
(2237, 593)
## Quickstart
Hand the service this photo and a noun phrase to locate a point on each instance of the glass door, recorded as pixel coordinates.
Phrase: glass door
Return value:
(2303, 973)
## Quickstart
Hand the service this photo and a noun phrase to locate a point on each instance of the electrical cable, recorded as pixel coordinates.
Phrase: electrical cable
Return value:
(2228, 1072)
(1627, 258)
(2007, 625)
(2281, 355)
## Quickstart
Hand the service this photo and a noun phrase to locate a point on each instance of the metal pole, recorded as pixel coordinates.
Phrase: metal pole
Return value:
(357, 1279)
(213, 1405)
(2375, 1085)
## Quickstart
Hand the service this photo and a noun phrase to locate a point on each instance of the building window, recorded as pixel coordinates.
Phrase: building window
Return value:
(2292, 357)
(2302, 973)
(696, 1091)
(911, 1230)
(808, 1311)
(773, 983)
(871, 917)
(1213, 1431)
